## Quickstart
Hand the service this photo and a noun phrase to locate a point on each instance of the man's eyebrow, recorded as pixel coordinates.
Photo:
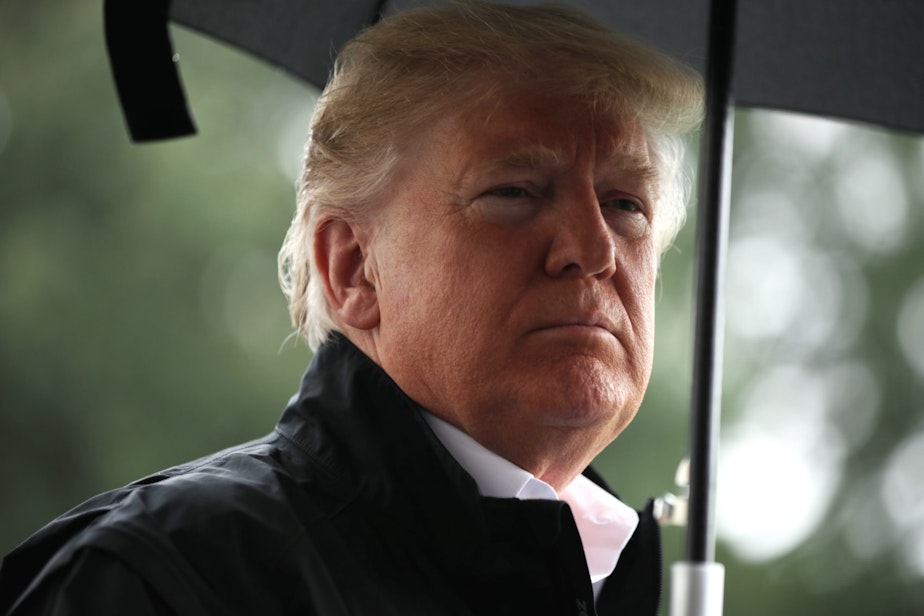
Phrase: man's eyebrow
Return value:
(529, 157)
(532, 157)
(638, 167)
(536, 157)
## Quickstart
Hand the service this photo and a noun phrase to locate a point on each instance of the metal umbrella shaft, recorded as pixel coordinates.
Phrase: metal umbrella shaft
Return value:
(698, 582)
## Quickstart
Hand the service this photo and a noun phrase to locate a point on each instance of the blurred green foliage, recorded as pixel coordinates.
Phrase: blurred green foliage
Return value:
(141, 324)
(140, 321)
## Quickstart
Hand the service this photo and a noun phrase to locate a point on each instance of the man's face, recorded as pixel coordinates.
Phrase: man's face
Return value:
(514, 271)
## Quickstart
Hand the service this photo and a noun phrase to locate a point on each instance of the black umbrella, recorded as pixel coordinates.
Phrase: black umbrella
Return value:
(853, 59)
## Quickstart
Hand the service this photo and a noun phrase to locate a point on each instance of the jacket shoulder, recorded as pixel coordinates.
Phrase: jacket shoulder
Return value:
(191, 533)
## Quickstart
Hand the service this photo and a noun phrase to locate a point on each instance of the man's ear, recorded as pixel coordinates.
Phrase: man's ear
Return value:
(341, 257)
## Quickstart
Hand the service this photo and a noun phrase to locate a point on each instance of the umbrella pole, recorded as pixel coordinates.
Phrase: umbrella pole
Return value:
(697, 583)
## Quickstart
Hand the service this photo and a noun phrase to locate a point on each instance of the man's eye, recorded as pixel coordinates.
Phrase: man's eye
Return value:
(624, 204)
(510, 192)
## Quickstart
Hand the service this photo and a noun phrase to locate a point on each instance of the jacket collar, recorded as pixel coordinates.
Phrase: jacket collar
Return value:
(372, 443)
(370, 440)
(369, 443)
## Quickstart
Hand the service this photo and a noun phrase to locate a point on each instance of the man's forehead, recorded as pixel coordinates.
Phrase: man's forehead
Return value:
(536, 131)
(550, 132)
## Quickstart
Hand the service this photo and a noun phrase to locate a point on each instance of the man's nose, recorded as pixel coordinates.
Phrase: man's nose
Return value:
(583, 243)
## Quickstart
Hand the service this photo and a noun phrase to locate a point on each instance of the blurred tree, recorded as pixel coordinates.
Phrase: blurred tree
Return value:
(141, 326)
(140, 322)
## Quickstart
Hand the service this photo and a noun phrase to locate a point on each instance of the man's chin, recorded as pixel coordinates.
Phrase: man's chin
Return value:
(583, 418)
(589, 402)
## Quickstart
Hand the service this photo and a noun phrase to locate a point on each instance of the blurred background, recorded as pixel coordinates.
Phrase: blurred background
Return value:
(141, 324)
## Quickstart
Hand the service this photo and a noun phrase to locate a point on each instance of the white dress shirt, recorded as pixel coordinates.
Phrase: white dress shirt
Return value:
(604, 523)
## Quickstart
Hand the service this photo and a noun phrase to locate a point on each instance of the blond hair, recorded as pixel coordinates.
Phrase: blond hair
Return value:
(407, 70)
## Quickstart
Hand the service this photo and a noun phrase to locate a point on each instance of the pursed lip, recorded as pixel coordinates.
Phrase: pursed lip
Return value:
(597, 320)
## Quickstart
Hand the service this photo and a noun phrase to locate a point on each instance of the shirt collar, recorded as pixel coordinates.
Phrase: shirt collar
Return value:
(495, 476)
(604, 523)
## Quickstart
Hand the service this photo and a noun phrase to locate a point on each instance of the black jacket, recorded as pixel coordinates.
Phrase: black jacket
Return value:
(351, 506)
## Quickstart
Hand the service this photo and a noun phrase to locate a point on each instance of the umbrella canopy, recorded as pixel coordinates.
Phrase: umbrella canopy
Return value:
(854, 59)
